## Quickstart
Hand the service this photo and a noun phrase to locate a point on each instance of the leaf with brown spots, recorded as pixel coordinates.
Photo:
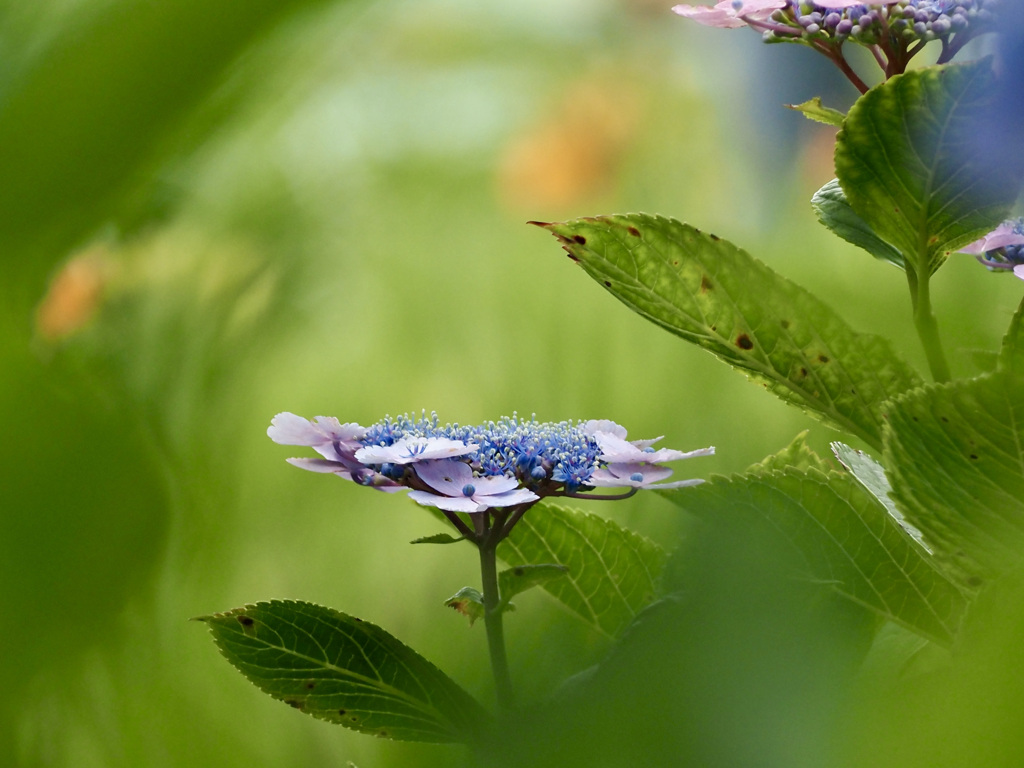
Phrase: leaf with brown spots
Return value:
(717, 296)
(954, 454)
(345, 670)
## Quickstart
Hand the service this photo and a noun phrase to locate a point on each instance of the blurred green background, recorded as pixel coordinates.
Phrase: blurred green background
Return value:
(213, 212)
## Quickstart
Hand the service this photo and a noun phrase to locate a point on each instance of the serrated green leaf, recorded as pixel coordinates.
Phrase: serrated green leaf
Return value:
(813, 109)
(871, 475)
(469, 602)
(796, 455)
(612, 572)
(520, 578)
(845, 538)
(344, 670)
(717, 296)
(833, 210)
(438, 538)
(910, 163)
(1011, 356)
(955, 456)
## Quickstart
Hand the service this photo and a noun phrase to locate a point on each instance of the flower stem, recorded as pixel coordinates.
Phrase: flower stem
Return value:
(493, 622)
(927, 327)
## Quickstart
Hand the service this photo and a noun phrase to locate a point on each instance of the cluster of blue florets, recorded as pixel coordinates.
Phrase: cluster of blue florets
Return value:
(869, 24)
(1008, 256)
(529, 449)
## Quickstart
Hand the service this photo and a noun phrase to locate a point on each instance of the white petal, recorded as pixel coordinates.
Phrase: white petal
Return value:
(450, 503)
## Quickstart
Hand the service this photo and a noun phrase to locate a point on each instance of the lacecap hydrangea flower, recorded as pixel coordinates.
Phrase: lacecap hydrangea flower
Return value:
(894, 30)
(1002, 249)
(509, 463)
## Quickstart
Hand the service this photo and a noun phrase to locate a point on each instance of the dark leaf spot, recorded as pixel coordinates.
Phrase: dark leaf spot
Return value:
(714, 327)
(784, 324)
(743, 342)
(580, 239)
(246, 621)
(974, 581)
(608, 283)
(518, 571)
(382, 734)
(298, 704)
(974, 456)
(822, 358)
(634, 231)
(341, 712)
(714, 237)
(803, 372)
(310, 685)
(705, 284)
(853, 391)
(355, 619)
(944, 419)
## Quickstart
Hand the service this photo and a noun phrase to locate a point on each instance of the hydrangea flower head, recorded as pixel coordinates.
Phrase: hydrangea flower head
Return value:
(511, 462)
(894, 30)
(1002, 249)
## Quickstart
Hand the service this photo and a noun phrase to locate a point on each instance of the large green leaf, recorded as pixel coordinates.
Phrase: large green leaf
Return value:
(833, 210)
(910, 163)
(612, 572)
(717, 296)
(845, 538)
(955, 456)
(345, 670)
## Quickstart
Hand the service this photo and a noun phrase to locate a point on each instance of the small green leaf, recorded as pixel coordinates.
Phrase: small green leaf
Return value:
(612, 573)
(520, 578)
(1011, 356)
(345, 670)
(912, 166)
(469, 602)
(813, 109)
(715, 295)
(438, 538)
(796, 455)
(871, 475)
(955, 456)
(845, 539)
(833, 210)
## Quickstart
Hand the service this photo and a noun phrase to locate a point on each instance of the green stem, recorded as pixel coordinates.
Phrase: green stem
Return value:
(927, 327)
(493, 622)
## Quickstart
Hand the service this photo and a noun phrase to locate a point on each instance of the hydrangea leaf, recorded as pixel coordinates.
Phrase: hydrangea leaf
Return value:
(338, 668)
(813, 109)
(910, 163)
(844, 538)
(833, 210)
(797, 455)
(871, 475)
(1011, 356)
(955, 457)
(438, 538)
(469, 602)
(612, 573)
(520, 578)
(717, 296)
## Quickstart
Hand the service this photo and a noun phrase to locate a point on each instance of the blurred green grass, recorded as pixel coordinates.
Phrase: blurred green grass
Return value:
(320, 207)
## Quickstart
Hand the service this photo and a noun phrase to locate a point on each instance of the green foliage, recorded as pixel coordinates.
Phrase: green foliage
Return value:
(955, 456)
(345, 670)
(813, 109)
(833, 210)
(911, 166)
(844, 538)
(871, 475)
(713, 294)
(612, 573)
(470, 602)
(796, 455)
